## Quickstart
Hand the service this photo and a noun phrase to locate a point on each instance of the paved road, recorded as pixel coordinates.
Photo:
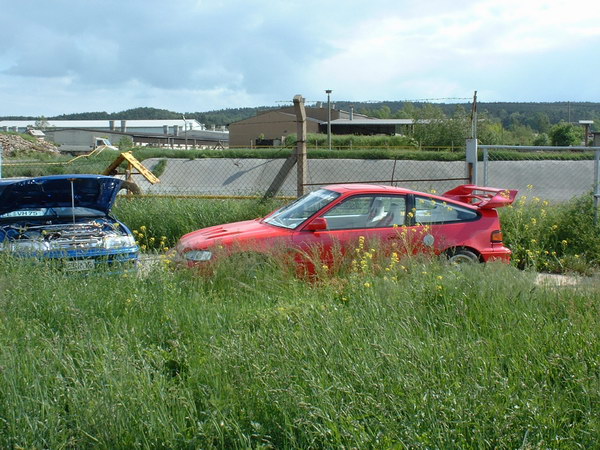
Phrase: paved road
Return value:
(551, 180)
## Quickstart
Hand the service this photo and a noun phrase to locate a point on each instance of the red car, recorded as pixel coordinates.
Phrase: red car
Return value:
(462, 224)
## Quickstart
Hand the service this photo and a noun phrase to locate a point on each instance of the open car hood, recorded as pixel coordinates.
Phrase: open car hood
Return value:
(90, 191)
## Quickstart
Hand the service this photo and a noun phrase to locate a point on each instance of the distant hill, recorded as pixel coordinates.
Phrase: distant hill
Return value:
(218, 117)
(535, 115)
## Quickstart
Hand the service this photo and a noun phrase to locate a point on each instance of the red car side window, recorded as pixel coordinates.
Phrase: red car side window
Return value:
(367, 211)
(432, 211)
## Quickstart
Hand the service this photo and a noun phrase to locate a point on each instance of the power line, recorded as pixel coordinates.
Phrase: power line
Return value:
(385, 101)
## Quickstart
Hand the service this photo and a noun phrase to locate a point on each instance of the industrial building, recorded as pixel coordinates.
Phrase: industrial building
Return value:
(74, 135)
(270, 128)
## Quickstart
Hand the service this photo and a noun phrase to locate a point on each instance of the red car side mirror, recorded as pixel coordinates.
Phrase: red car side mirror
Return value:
(317, 224)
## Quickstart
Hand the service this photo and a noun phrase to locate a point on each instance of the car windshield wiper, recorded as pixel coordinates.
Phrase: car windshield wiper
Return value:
(51, 212)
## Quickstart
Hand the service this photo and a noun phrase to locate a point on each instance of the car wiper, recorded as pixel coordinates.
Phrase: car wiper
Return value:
(51, 212)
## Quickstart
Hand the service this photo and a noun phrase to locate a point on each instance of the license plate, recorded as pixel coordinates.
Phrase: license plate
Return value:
(79, 264)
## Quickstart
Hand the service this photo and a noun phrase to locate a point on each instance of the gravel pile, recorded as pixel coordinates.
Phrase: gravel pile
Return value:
(12, 143)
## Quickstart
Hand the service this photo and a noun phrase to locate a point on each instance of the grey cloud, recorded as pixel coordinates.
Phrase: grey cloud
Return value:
(166, 46)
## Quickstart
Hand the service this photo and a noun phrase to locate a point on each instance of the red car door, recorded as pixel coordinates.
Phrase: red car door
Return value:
(359, 222)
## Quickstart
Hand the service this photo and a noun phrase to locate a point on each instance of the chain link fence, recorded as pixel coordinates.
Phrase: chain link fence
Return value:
(550, 173)
(18, 168)
(244, 177)
(417, 175)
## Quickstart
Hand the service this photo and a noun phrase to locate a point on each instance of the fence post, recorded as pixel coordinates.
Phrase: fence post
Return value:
(596, 185)
(486, 160)
(471, 160)
(300, 144)
(1, 154)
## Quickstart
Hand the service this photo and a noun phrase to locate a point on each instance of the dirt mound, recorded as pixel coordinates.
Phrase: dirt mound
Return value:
(13, 143)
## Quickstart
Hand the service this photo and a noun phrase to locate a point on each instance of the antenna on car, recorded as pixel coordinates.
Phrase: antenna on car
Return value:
(72, 199)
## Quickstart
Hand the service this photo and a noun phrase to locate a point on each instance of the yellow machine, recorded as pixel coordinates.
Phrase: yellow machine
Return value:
(132, 164)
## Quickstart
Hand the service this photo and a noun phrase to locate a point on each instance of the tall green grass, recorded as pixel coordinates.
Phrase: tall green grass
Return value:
(167, 219)
(549, 237)
(421, 355)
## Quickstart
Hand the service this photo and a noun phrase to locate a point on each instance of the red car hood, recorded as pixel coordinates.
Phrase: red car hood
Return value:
(248, 234)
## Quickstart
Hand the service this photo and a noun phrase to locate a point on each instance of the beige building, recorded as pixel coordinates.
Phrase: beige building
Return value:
(271, 127)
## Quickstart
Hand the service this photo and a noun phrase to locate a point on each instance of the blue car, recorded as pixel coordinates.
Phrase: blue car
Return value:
(65, 218)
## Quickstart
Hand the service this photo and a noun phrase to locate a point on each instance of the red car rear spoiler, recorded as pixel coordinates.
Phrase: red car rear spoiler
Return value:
(482, 197)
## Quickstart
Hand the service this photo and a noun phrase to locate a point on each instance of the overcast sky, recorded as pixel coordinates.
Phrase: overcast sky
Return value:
(65, 56)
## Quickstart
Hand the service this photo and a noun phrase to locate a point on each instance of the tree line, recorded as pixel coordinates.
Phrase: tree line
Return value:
(449, 124)
(538, 116)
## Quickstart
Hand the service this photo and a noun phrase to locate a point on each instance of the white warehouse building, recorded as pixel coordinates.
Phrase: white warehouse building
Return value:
(81, 133)
(135, 126)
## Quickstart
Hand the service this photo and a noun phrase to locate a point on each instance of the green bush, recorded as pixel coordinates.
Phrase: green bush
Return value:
(341, 141)
(125, 144)
(566, 134)
(552, 237)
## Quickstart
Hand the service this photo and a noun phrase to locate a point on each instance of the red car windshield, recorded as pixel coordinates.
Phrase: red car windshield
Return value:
(296, 213)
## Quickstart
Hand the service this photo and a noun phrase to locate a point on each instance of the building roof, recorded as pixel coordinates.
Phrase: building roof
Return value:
(310, 114)
(104, 123)
(292, 117)
(206, 135)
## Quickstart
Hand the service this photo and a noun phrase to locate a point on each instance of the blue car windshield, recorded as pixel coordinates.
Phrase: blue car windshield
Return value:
(55, 212)
(296, 213)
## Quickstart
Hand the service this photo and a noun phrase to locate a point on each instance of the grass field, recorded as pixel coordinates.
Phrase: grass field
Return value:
(420, 355)
(411, 353)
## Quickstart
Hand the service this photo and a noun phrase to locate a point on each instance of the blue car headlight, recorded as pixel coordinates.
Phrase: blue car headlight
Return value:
(27, 246)
(111, 242)
(198, 255)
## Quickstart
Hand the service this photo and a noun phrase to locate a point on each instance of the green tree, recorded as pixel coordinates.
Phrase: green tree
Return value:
(540, 122)
(541, 139)
(125, 144)
(566, 134)
(42, 123)
(490, 132)
(522, 135)
(383, 113)
(437, 130)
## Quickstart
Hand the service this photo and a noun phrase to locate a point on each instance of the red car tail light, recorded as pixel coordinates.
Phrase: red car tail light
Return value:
(497, 236)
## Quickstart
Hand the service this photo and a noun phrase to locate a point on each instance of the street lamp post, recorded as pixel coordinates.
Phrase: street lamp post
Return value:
(328, 92)
(185, 131)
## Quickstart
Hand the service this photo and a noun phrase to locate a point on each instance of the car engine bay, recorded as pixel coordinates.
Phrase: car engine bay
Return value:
(50, 235)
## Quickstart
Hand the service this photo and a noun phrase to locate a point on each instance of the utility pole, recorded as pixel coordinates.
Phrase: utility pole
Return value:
(185, 130)
(328, 92)
(474, 117)
(471, 153)
(300, 144)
